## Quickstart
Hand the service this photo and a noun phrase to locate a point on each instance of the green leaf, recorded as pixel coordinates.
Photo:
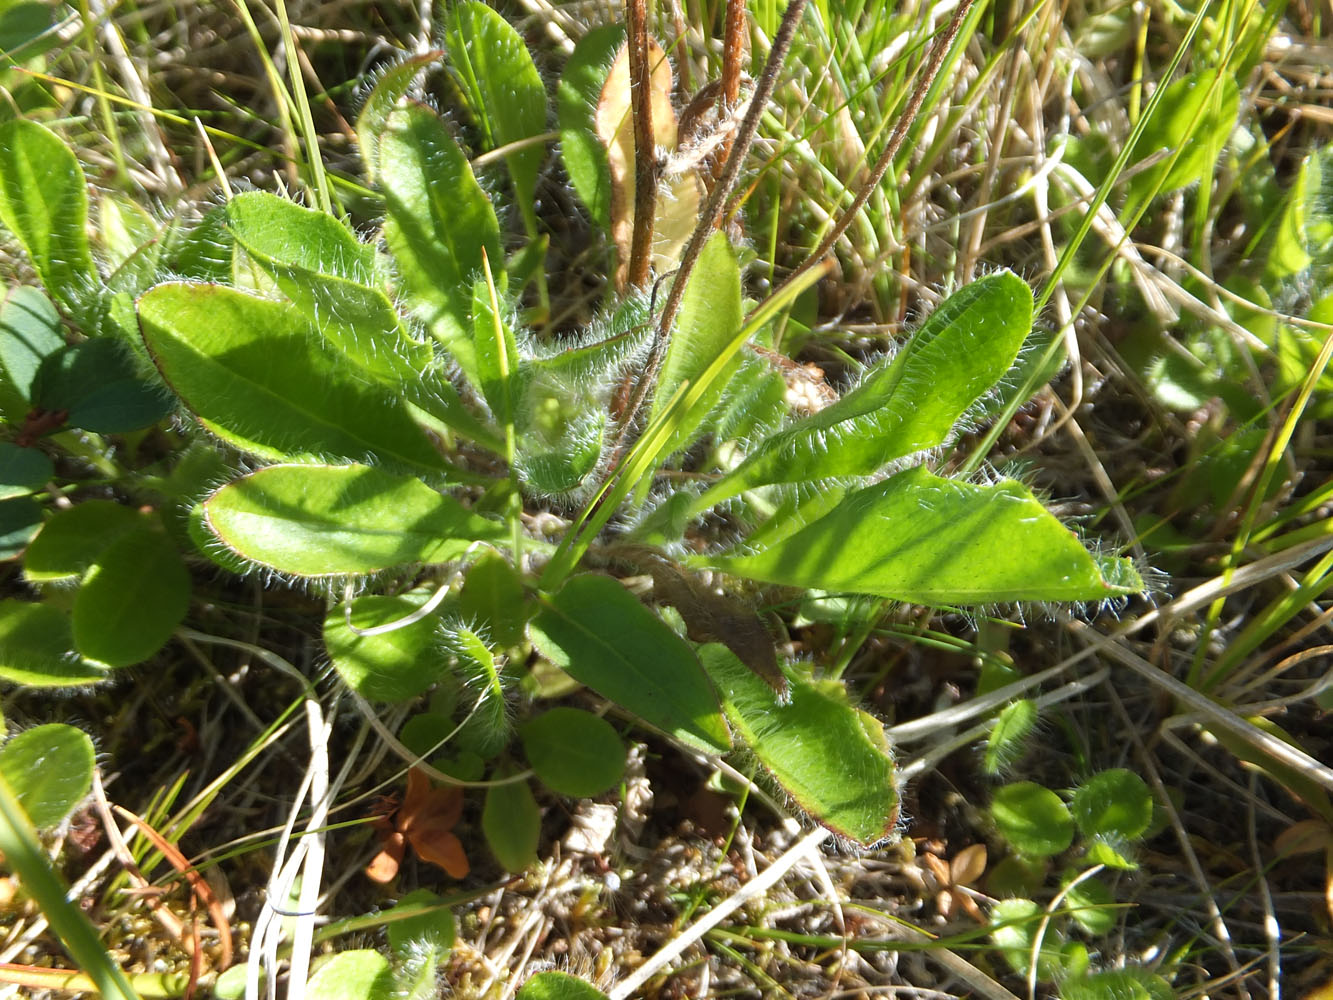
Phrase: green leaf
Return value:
(73, 538)
(1009, 734)
(1016, 922)
(25, 30)
(420, 942)
(205, 251)
(130, 242)
(26, 858)
(326, 520)
(50, 769)
(710, 315)
(20, 517)
(558, 986)
(390, 666)
(576, 99)
(391, 86)
(1117, 984)
(1092, 906)
(132, 598)
(503, 90)
(253, 372)
(1114, 803)
(512, 823)
(30, 330)
(492, 597)
(496, 353)
(911, 404)
(916, 537)
(37, 648)
(439, 222)
(1033, 819)
(23, 471)
(44, 202)
(830, 757)
(599, 634)
(99, 384)
(1215, 101)
(329, 275)
(352, 975)
(573, 752)
(421, 918)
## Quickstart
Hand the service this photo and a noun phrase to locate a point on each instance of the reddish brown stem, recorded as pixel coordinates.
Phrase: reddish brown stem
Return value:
(645, 167)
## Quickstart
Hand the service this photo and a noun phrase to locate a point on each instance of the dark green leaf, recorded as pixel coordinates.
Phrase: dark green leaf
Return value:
(829, 756)
(573, 752)
(73, 538)
(25, 30)
(315, 520)
(37, 648)
(30, 330)
(596, 631)
(50, 769)
(254, 373)
(132, 598)
(20, 517)
(99, 384)
(917, 537)
(512, 824)
(44, 202)
(439, 223)
(390, 666)
(23, 470)
(205, 251)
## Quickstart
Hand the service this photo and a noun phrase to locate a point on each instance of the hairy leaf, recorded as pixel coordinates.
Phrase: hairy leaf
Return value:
(830, 757)
(920, 538)
(595, 630)
(323, 520)
(254, 373)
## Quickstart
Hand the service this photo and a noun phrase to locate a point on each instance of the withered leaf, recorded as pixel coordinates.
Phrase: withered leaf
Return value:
(425, 820)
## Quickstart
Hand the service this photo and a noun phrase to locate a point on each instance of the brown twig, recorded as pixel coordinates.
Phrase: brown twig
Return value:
(645, 166)
(710, 217)
(733, 48)
(886, 158)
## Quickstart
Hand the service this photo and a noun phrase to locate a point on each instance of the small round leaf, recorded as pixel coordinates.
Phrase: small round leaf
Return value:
(37, 648)
(352, 975)
(1032, 819)
(1114, 803)
(573, 752)
(512, 824)
(50, 769)
(390, 666)
(558, 986)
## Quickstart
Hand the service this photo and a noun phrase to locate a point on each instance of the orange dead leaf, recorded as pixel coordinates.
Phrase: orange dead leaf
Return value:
(425, 820)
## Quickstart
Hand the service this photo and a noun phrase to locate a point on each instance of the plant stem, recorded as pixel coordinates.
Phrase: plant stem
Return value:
(712, 211)
(645, 170)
